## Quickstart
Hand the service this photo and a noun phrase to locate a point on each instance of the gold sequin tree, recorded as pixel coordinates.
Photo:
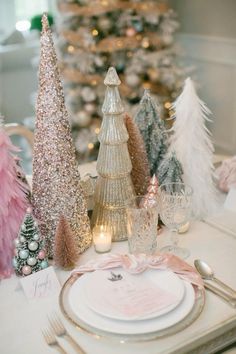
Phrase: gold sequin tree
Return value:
(114, 188)
(56, 180)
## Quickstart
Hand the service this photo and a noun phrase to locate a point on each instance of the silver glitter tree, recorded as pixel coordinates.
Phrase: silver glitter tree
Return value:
(56, 180)
(153, 132)
(114, 186)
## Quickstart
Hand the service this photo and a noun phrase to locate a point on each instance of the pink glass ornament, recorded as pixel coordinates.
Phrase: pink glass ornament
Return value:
(26, 270)
(153, 185)
(41, 254)
(151, 192)
(130, 32)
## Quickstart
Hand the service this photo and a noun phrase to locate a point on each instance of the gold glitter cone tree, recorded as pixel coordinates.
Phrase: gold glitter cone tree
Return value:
(56, 180)
(114, 186)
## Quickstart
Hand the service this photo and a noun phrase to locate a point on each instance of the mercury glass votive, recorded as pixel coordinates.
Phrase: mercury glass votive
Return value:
(102, 237)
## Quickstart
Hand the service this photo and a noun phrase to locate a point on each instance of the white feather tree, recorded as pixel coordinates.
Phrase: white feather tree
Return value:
(193, 147)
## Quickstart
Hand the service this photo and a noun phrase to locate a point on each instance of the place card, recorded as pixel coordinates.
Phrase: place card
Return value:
(40, 284)
(230, 201)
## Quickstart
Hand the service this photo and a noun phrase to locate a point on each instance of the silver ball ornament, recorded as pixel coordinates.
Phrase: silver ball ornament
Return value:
(167, 39)
(23, 254)
(23, 228)
(33, 246)
(14, 263)
(83, 118)
(44, 264)
(98, 61)
(31, 261)
(104, 23)
(90, 107)
(36, 237)
(17, 242)
(152, 18)
(132, 80)
(88, 94)
(22, 239)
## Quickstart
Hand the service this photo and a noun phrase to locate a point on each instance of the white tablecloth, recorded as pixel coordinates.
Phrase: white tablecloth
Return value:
(21, 321)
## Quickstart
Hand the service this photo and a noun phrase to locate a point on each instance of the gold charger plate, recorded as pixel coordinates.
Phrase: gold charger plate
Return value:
(97, 333)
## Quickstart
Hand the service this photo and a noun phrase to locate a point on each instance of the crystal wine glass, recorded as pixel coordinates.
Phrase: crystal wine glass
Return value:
(175, 211)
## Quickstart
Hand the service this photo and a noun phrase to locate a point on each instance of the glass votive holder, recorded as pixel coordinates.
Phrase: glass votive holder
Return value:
(102, 237)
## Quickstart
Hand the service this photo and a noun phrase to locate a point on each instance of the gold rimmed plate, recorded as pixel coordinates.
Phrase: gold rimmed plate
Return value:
(74, 308)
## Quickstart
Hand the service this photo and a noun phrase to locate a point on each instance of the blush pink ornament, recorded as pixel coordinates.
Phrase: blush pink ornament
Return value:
(130, 32)
(41, 254)
(26, 270)
(152, 191)
(152, 194)
(13, 202)
(226, 174)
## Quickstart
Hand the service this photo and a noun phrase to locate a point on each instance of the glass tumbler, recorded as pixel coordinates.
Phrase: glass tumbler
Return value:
(142, 219)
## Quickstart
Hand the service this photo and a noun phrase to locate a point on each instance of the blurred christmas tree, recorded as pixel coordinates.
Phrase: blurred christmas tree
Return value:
(134, 36)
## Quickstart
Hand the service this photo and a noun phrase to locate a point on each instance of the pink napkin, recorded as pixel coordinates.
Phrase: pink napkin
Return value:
(140, 262)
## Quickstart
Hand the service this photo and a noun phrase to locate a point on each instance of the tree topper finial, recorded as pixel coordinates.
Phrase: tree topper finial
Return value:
(112, 78)
(45, 24)
(146, 93)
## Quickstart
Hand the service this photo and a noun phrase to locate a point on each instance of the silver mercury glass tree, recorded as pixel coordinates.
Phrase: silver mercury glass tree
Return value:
(114, 187)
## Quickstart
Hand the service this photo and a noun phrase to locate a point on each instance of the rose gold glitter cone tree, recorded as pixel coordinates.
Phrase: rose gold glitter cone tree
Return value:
(56, 180)
(114, 186)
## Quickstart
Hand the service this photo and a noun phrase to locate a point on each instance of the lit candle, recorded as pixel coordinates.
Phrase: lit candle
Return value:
(101, 239)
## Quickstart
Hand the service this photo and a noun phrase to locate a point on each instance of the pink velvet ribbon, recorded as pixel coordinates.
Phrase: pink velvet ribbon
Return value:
(141, 262)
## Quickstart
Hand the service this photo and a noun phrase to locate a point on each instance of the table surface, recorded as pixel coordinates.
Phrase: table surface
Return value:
(22, 321)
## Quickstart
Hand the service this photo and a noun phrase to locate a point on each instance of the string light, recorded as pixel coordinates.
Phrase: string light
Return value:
(144, 7)
(119, 44)
(97, 130)
(90, 146)
(94, 82)
(167, 105)
(146, 85)
(145, 42)
(104, 3)
(95, 32)
(70, 49)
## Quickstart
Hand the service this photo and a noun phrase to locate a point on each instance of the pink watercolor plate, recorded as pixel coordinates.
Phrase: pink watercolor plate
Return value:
(123, 296)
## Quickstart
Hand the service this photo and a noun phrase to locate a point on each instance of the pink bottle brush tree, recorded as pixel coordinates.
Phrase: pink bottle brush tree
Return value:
(13, 202)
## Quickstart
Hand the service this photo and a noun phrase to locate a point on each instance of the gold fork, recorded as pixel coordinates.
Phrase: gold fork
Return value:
(60, 331)
(50, 339)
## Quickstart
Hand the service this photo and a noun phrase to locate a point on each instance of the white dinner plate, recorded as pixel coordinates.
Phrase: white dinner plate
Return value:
(81, 312)
(120, 295)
